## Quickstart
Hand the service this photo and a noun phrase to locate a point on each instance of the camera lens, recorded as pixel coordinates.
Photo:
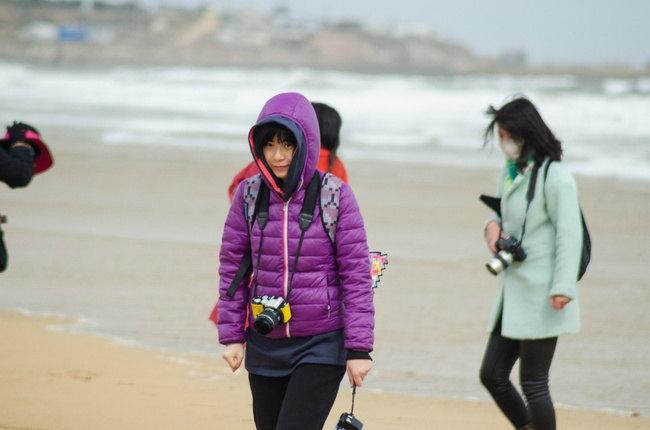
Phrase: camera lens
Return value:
(266, 321)
(499, 262)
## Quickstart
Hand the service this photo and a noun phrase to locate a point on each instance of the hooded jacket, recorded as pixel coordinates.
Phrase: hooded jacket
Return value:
(331, 286)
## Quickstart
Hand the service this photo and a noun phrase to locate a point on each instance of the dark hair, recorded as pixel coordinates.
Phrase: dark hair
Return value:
(522, 120)
(266, 132)
(329, 122)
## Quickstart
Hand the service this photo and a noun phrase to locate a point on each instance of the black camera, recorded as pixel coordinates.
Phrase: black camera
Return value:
(509, 250)
(348, 422)
(268, 312)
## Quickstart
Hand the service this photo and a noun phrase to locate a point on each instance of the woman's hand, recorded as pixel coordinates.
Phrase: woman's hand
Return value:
(357, 371)
(234, 354)
(492, 233)
(559, 302)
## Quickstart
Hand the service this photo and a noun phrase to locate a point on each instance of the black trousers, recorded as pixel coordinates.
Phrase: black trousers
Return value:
(299, 401)
(535, 358)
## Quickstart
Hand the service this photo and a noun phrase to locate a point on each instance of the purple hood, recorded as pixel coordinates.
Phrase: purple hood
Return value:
(296, 113)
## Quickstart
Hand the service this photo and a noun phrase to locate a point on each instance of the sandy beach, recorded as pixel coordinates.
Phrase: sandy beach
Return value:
(55, 380)
(123, 241)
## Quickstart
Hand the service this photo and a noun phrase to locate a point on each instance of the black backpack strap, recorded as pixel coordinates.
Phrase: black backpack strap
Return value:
(306, 217)
(239, 276)
(309, 204)
(262, 206)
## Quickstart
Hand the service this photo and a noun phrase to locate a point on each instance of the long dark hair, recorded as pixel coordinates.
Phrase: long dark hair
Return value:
(329, 122)
(522, 120)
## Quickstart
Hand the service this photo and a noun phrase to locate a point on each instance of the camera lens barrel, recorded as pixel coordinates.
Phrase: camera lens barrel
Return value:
(267, 320)
(499, 262)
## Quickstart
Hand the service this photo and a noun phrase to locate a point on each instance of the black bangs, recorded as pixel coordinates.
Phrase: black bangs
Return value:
(266, 132)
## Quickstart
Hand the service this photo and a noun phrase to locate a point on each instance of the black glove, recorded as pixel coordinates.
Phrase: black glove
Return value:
(17, 132)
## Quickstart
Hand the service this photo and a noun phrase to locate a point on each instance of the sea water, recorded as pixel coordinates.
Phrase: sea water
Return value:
(603, 123)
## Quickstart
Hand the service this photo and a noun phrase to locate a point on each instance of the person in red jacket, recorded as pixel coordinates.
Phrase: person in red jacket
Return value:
(329, 122)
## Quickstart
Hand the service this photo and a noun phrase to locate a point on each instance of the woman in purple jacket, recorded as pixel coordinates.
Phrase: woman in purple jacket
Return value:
(296, 364)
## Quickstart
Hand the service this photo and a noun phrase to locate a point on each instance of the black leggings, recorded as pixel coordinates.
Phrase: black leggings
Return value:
(299, 401)
(535, 358)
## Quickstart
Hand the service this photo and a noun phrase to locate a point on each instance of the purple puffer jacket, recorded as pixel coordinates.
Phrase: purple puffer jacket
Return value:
(323, 298)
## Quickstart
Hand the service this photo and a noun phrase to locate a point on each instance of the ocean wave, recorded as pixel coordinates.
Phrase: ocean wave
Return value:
(390, 117)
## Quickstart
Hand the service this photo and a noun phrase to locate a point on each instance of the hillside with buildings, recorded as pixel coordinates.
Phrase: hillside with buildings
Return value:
(96, 33)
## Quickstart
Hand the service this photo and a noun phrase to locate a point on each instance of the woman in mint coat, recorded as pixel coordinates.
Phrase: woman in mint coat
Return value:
(537, 299)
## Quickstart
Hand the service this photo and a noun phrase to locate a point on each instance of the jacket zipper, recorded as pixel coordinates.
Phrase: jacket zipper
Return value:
(285, 226)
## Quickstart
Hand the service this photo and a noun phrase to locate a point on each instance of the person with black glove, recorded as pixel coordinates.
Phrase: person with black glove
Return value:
(22, 155)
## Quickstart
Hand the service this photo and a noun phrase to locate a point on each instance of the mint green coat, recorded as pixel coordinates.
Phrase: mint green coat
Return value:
(553, 244)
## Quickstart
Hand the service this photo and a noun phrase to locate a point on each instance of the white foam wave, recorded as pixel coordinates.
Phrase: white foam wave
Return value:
(388, 117)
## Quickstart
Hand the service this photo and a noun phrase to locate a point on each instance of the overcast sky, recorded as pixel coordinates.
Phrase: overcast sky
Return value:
(569, 31)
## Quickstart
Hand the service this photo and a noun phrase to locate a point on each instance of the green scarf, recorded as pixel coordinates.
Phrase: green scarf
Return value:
(513, 170)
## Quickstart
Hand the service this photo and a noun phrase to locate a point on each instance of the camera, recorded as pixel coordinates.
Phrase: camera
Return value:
(348, 422)
(509, 250)
(268, 312)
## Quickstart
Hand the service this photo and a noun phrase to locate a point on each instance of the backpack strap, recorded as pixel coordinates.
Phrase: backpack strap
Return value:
(309, 204)
(330, 196)
(306, 217)
(244, 266)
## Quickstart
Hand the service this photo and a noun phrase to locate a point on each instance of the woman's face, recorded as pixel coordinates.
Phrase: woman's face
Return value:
(278, 155)
(510, 147)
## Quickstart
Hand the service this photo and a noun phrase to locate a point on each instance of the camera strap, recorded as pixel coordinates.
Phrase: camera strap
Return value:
(354, 393)
(530, 194)
(529, 197)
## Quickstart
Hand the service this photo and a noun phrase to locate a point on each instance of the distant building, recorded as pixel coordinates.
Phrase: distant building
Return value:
(43, 31)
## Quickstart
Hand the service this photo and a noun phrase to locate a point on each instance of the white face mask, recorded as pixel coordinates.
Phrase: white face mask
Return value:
(510, 148)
